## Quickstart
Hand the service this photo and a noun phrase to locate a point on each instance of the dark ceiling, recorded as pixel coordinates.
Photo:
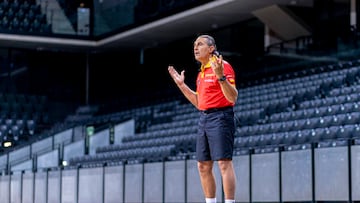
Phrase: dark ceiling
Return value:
(213, 15)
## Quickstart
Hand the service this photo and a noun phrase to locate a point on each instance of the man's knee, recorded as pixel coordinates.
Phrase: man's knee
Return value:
(205, 166)
(224, 164)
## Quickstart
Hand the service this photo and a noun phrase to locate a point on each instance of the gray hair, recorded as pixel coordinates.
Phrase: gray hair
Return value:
(209, 39)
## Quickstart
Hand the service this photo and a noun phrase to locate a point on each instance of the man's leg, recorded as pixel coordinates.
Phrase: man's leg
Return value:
(228, 178)
(207, 179)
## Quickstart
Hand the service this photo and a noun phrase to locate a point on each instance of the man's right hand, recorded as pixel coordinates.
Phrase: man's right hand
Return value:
(178, 78)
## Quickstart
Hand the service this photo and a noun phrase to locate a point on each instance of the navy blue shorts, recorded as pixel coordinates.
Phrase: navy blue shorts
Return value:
(215, 136)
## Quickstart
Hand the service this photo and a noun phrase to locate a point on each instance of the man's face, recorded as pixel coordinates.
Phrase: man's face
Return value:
(202, 51)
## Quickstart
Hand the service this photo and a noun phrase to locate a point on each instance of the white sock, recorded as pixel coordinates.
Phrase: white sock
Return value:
(210, 200)
(229, 201)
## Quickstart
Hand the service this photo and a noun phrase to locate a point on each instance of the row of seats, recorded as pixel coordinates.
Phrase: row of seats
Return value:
(22, 98)
(345, 91)
(22, 107)
(325, 81)
(328, 78)
(184, 143)
(330, 100)
(34, 12)
(25, 25)
(299, 137)
(18, 4)
(317, 111)
(149, 154)
(313, 71)
(172, 124)
(338, 114)
(306, 123)
(161, 133)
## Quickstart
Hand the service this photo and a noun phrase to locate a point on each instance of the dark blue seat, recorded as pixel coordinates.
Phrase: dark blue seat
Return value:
(268, 149)
(242, 131)
(277, 117)
(253, 141)
(330, 110)
(261, 129)
(351, 75)
(312, 123)
(297, 147)
(356, 131)
(316, 134)
(346, 132)
(299, 114)
(276, 127)
(241, 142)
(330, 133)
(332, 143)
(286, 126)
(303, 136)
(347, 107)
(289, 138)
(265, 139)
(332, 120)
(351, 118)
(298, 124)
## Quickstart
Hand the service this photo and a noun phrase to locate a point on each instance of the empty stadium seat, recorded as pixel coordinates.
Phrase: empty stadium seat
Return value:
(330, 133)
(30, 127)
(276, 139)
(351, 118)
(346, 132)
(241, 142)
(289, 138)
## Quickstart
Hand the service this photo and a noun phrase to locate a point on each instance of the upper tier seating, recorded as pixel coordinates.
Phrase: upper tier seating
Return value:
(23, 16)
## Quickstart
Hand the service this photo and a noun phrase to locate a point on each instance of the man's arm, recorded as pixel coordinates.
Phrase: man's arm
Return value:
(179, 81)
(230, 92)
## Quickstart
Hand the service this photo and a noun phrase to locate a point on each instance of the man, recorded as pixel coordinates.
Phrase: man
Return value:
(215, 97)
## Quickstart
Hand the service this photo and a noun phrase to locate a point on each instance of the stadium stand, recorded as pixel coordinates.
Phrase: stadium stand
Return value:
(297, 131)
(321, 116)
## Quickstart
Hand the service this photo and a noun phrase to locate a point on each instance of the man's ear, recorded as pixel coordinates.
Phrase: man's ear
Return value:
(216, 53)
(212, 49)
